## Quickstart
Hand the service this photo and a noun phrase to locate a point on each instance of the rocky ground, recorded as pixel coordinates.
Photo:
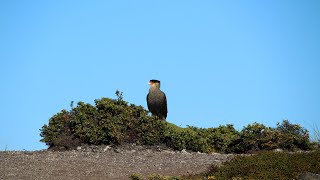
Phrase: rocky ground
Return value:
(105, 162)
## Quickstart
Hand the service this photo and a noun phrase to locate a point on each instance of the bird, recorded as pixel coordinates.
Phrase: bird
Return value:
(157, 100)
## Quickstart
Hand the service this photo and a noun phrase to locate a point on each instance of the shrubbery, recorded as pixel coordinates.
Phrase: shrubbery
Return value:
(269, 165)
(110, 121)
(285, 136)
(115, 121)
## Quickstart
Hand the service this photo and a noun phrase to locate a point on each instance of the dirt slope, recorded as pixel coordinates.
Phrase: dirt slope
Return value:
(104, 162)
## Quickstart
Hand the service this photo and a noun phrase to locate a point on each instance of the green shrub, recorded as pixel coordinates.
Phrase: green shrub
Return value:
(206, 140)
(293, 136)
(110, 121)
(59, 131)
(269, 165)
(257, 137)
(185, 138)
(286, 136)
(115, 121)
(223, 138)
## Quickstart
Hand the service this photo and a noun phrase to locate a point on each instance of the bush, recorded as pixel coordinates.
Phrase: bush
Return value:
(293, 136)
(269, 165)
(224, 138)
(184, 138)
(59, 133)
(110, 121)
(286, 136)
(115, 121)
(201, 139)
(257, 137)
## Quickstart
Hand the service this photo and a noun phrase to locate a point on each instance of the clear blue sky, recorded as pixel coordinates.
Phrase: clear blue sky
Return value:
(219, 62)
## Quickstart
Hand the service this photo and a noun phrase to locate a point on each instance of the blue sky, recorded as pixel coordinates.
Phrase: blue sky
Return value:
(220, 62)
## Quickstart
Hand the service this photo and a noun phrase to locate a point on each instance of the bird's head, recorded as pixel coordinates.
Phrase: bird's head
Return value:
(154, 83)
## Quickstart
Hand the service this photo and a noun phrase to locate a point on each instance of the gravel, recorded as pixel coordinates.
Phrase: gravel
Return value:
(105, 162)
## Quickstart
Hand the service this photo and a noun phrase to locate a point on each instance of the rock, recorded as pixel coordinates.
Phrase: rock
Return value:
(308, 176)
(117, 150)
(278, 150)
(168, 151)
(107, 148)
(184, 151)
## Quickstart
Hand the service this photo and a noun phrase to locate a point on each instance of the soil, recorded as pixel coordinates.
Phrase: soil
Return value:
(105, 162)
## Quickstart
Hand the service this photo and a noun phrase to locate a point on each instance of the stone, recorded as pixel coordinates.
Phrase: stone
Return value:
(184, 151)
(106, 148)
(309, 176)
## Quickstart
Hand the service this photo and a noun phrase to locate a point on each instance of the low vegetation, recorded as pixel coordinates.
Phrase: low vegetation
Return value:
(110, 121)
(264, 165)
(115, 121)
(269, 165)
(154, 177)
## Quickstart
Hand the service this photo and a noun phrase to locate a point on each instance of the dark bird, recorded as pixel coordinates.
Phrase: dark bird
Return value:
(156, 100)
